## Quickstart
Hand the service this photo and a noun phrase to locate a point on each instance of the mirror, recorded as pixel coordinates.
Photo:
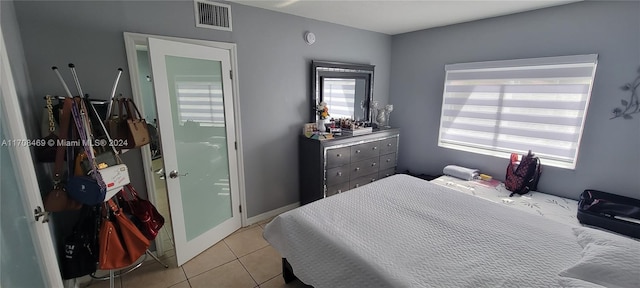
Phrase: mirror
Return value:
(347, 89)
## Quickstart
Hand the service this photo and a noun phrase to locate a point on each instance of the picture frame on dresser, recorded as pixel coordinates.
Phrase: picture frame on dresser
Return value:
(330, 167)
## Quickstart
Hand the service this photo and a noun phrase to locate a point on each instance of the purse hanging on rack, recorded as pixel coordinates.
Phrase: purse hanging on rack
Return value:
(80, 248)
(136, 126)
(129, 126)
(147, 217)
(44, 151)
(114, 120)
(121, 243)
(58, 199)
(128, 129)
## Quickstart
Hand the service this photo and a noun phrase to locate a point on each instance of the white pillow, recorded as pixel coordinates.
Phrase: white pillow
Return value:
(586, 235)
(615, 266)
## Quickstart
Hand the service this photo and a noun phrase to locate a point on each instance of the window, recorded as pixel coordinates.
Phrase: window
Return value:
(339, 94)
(200, 102)
(499, 107)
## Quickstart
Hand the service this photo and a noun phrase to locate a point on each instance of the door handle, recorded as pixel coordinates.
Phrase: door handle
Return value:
(38, 212)
(174, 174)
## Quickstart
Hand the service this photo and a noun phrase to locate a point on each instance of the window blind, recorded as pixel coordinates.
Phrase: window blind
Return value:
(500, 107)
(339, 94)
(200, 102)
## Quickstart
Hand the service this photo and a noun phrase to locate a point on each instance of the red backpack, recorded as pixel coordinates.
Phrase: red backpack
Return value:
(525, 176)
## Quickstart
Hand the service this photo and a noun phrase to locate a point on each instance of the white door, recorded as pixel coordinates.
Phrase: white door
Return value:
(193, 93)
(27, 255)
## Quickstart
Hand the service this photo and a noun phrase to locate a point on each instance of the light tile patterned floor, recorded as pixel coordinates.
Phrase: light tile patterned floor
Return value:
(242, 260)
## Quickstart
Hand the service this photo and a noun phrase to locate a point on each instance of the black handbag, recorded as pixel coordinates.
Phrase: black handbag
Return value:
(609, 211)
(80, 250)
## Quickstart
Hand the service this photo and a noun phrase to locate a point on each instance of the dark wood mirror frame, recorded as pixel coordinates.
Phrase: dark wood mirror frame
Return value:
(326, 69)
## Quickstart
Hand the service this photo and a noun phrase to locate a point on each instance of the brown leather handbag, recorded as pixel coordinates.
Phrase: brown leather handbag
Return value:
(128, 129)
(114, 123)
(138, 133)
(58, 199)
(121, 243)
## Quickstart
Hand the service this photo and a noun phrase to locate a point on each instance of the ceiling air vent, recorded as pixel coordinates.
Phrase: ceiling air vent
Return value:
(213, 15)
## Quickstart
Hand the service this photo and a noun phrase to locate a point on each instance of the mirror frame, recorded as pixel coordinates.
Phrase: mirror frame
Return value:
(320, 69)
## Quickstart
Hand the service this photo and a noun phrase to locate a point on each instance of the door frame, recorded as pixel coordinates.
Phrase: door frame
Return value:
(25, 172)
(131, 40)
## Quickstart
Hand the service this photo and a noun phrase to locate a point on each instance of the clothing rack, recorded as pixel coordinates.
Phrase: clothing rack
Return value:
(99, 102)
(113, 273)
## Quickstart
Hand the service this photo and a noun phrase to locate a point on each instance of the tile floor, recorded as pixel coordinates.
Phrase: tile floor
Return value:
(244, 259)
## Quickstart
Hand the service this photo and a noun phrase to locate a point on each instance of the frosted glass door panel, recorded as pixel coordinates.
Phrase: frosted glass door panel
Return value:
(199, 132)
(19, 264)
(192, 85)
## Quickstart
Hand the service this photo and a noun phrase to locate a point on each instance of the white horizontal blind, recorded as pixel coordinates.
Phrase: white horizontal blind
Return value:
(500, 107)
(339, 94)
(200, 102)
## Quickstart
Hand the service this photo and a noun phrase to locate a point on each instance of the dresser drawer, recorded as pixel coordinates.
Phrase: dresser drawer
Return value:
(389, 145)
(386, 172)
(360, 181)
(363, 167)
(338, 157)
(335, 189)
(337, 175)
(365, 151)
(387, 161)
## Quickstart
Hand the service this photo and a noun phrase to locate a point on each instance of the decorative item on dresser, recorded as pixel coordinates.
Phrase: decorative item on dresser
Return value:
(334, 166)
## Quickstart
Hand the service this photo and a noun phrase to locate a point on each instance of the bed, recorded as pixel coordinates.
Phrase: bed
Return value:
(550, 206)
(402, 231)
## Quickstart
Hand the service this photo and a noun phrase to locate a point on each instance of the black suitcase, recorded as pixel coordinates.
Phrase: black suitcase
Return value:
(612, 212)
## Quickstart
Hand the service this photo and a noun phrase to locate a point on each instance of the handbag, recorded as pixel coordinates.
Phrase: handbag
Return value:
(79, 248)
(58, 199)
(44, 151)
(121, 243)
(128, 129)
(136, 127)
(147, 217)
(86, 190)
(114, 123)
(83, 166)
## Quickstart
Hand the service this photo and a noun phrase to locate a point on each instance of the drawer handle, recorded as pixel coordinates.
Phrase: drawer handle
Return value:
(389, 144)
(357, 168)
(357, 185)
(339, 190)
(375, 147)
(373, 164)
(339, 173)
(358, 151)
(338, 155)
(388, 160)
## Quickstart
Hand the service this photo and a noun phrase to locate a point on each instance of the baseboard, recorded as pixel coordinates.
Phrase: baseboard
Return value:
(271, 214)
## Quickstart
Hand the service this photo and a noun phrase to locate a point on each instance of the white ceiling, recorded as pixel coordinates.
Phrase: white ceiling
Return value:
(395, 17)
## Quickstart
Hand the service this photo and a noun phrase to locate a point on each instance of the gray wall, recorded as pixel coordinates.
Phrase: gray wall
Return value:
(273, 68)
(609, 159)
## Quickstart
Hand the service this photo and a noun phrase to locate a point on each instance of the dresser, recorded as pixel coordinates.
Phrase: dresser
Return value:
(332, 166)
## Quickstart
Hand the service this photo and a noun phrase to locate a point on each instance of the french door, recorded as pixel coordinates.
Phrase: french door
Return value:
(27, 253)
(194, 98)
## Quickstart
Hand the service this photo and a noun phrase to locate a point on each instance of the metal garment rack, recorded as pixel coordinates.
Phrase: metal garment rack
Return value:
(112, 273)
(115, 273)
